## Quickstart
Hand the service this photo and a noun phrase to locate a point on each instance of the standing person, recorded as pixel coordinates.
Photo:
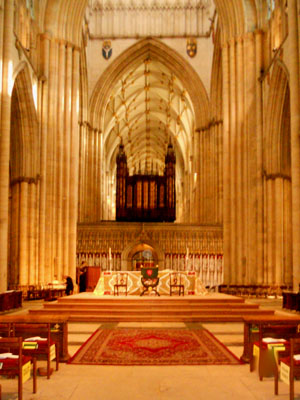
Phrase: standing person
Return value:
(82, 279)
(69, 286)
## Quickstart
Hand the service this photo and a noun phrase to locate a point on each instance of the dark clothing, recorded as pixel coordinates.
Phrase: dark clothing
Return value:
(82, 281)
(70, 286)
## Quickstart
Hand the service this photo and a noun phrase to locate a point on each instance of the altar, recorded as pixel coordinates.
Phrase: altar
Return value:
(192, 283)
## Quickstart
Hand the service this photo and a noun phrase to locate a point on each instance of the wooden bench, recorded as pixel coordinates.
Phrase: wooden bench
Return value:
(42, 349)
(290, 365)
(272, 339)
(15, 367)
(28, 325)
(252, 326)
(48, 293)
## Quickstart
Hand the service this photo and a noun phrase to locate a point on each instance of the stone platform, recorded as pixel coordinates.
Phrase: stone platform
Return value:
(214, 307)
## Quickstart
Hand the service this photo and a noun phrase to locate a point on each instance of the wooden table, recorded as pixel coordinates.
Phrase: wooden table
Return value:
(25, 326)
(267, 321)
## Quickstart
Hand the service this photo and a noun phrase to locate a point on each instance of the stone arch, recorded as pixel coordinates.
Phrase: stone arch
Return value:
(63, 18)
(25, 134)
(24, 181)
(134, 55)
(275, 140)
(277, 180)
(136, 245)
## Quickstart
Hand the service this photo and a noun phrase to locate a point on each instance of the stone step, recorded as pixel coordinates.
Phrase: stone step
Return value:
(149, 300)
(145, 307)
(159, 317)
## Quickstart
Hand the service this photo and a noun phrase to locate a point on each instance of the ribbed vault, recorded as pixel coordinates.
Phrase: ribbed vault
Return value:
(146, 102)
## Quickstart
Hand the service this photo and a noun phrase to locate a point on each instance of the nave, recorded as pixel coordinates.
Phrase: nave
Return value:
(77, 382)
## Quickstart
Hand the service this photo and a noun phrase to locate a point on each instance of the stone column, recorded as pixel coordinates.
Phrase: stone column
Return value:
(232, 162)
(43, 149)
(14, 233)
(59, 157)
(23, 238)
(250, 158)
(240, 232)
(293, 48)
(278, 270)
(74, 164)
(98, 174)
(259, 144)
(66, 158)
(5, 108)
(32, 231)
(226, 176)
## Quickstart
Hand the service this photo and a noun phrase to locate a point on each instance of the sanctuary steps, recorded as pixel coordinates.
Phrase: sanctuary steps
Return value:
(149, 309)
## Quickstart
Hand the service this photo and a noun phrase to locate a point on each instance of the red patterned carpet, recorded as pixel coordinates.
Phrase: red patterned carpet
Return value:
(128, 346)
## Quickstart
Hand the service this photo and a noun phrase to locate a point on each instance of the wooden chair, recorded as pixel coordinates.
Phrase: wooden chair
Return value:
(46, 349)
(287, 358)
(150, 280)
(176, 283)
(121, 282)
(15, 366)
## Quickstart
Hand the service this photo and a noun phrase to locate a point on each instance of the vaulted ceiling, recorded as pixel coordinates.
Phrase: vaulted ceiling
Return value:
(147, 107)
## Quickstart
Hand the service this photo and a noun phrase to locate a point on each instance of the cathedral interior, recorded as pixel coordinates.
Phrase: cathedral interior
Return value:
(164, 127)
(150, 133)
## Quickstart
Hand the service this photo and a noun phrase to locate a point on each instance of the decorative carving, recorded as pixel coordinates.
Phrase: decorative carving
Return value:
(129, 18)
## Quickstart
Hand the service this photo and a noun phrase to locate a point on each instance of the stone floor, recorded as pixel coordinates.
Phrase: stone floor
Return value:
(78, 382)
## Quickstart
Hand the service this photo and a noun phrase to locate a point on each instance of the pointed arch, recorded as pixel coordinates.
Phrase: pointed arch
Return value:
(276, 140)
(24, 138)
(64, 18)
(135, 55)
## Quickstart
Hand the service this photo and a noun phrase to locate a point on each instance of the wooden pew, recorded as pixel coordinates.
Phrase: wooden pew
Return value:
(267, 352)
(26, 325)
(14, 367)
(44, 349)
(253, 323)
(287, 358)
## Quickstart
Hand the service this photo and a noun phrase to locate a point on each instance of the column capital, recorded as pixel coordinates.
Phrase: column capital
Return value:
(25, 179)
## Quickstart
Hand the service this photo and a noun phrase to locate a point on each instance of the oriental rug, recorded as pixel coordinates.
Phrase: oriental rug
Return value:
(132, 346)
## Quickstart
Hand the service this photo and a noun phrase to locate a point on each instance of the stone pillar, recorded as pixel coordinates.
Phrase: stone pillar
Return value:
(50, 233)
(59, 157)
(14, 233)
(250, 158)
(226, 176)
(74, 164)
(293, 49)
(32, 231)
(43, 149)
(240, 217)
(23, 238)
(5, 109)
(259, 172)
(66, 158)
(232, 162)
